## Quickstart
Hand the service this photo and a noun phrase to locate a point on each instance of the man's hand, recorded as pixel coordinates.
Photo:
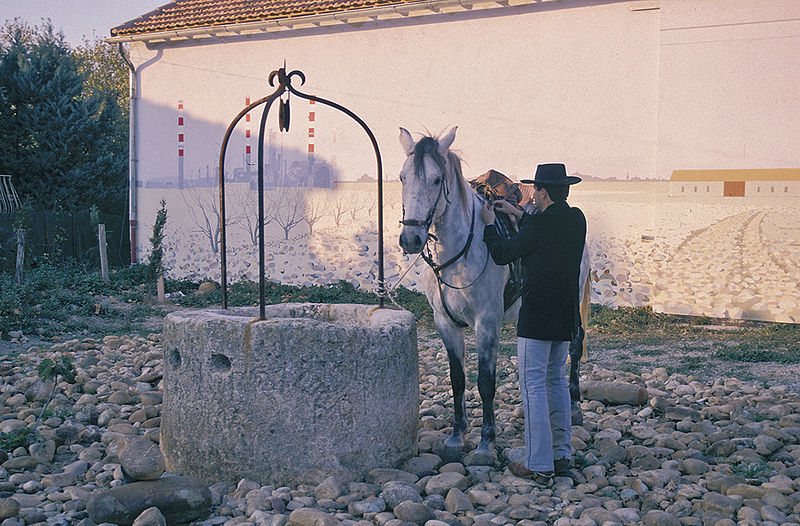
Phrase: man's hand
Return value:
(487, 213)
(501, 205)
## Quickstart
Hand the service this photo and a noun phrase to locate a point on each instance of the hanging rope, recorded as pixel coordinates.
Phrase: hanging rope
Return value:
(380, 289)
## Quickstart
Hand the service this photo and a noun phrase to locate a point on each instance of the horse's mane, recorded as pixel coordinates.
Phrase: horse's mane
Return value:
(430, 146)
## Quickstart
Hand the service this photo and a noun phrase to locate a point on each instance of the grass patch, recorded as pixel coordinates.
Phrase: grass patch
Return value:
(72, 299)
(625, 320)
(629, 367)
(648, 352)
(23, 437)
(753, 470)
(755, 352)
(507, 349)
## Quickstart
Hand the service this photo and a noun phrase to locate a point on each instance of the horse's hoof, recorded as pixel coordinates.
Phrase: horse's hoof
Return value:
(451, 453)
(577, 414)
(481, 456)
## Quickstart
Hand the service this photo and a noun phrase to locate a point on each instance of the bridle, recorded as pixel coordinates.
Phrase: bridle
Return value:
(426, 224)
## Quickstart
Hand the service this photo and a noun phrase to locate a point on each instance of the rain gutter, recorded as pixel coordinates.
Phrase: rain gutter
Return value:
(132, 160)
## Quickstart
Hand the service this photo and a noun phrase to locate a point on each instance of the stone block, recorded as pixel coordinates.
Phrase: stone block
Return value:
(311, 391)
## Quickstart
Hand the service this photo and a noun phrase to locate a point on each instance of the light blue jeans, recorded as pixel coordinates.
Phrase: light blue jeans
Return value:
(545, 401)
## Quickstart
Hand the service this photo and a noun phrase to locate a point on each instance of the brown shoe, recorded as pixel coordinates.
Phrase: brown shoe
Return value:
(541, 478)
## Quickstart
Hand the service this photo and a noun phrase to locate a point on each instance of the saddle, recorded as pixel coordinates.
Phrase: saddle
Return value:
(492, 186)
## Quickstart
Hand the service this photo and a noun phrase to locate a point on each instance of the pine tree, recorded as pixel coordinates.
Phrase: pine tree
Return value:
(63, 138)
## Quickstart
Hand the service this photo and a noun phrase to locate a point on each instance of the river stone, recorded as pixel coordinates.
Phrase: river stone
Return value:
(43, 451)
(311, 517)
(680, 412)
(660, 518)
(614, 393)
(422, 465)
(180, 499)
(121, 398)
(330, 488)
(150, 517)
(722, 448)
(380, 476)
(344, 401)
(396, 492)
(415, 512)
(746, 491)
(141, 459)
(772, 514)
(777, 499)
(8, 508)
(258, 500)
(457, 502)
(150, 398)
(11, 425)
(716, 502)
(22, 463)
(368, 505)
(442, 483)
(766, 445)
(599, 515)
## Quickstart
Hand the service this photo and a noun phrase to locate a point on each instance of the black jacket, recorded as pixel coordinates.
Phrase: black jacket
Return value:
(550, 245)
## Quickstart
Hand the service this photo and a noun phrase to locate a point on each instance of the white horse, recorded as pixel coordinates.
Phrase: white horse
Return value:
(463, 285)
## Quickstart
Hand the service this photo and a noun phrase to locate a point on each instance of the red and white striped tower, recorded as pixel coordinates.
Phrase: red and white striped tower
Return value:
(180, 144)
(247, 139)
(311, 132)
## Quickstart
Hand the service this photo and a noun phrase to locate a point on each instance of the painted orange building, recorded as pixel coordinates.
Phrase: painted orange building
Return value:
(778, 182)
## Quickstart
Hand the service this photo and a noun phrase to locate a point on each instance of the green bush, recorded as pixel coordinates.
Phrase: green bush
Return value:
(20, 438)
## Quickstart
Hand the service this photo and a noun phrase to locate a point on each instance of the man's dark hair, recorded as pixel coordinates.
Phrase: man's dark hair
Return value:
(557, 192)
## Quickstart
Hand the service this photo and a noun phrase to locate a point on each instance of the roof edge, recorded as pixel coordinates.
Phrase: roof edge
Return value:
(753, 174)
(354, 16)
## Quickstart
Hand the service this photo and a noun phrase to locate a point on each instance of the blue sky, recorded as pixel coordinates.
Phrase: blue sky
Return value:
(76, 18)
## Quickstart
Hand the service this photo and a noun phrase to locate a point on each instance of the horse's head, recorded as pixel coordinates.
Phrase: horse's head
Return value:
(427, 175)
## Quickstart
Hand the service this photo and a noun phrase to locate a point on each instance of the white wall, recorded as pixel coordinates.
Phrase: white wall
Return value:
(610, 90)
(575, 82)
(728, 95)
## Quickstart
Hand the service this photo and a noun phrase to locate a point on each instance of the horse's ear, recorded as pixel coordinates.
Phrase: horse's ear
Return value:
(446, 141)
(406, 141)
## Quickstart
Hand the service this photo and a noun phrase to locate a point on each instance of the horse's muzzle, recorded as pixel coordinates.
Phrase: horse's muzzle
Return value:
(412, 239)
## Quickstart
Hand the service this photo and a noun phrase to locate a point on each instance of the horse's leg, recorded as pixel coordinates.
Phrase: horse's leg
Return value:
(453, 338)
(487, 335)
(576, 350)
(575, 353)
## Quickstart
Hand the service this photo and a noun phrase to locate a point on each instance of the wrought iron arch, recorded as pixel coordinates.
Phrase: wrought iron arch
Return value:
(285, 86)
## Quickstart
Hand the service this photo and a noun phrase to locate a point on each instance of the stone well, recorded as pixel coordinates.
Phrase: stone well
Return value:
(313, 390)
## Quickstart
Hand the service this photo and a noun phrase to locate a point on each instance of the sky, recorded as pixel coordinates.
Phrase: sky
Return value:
(78, 18)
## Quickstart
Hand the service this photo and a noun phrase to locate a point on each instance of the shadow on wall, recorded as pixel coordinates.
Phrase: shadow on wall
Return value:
(312, 235)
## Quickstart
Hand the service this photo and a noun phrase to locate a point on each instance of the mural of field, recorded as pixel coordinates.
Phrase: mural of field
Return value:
(725, 257)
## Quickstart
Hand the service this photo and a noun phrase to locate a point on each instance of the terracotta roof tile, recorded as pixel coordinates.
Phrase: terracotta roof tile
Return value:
(183, 14)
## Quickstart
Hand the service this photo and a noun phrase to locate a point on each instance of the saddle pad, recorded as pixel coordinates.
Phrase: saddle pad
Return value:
(494, 185)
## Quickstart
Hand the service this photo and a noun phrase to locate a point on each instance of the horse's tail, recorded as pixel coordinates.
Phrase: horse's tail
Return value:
(585, 307)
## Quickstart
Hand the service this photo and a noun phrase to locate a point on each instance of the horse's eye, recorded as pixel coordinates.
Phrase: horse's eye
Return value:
(438, 181)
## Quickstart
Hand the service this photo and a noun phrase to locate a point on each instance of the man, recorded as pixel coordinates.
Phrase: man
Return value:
(550, 245)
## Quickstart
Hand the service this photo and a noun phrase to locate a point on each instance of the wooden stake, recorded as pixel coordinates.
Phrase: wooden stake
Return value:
(101, 240)
(160, 289)
(20, 255)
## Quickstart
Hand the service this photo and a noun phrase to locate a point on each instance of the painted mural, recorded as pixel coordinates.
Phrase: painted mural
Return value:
(696, 246)
(719, 257)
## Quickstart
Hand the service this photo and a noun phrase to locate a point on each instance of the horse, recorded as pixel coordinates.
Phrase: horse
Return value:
(462, 283)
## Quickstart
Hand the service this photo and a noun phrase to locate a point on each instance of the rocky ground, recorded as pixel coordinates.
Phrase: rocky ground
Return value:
(713, 452)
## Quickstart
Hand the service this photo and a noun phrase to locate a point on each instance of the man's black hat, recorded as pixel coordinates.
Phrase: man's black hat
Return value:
(552, 173)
